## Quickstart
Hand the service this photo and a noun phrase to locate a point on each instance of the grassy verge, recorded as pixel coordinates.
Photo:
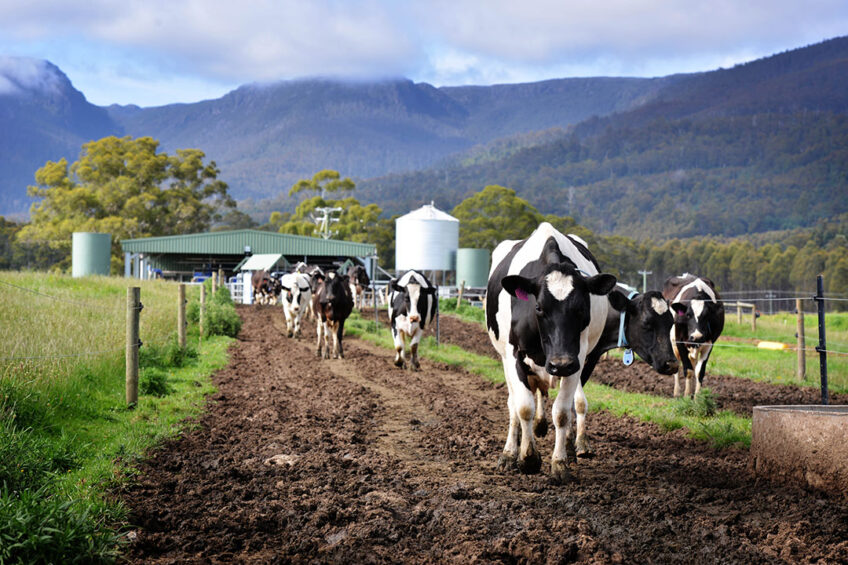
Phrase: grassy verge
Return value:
(699, 418)
(66, 435)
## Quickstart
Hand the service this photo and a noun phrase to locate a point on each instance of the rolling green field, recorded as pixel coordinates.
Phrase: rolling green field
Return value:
(66, 434)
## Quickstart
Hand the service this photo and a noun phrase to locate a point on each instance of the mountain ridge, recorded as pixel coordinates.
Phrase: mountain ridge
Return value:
(447, 142)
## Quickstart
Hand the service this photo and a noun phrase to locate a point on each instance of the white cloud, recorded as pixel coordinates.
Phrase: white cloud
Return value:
(183, 46)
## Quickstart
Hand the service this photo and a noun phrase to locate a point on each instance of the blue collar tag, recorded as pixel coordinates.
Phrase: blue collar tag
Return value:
(628, 357)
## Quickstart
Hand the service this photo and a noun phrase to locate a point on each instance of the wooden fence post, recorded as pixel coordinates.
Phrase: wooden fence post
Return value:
(181, 316)
(133, 314)
(202, 309)
(801, 371)
(214, 282)
(459, 295)
(738, 313)
(753, 317)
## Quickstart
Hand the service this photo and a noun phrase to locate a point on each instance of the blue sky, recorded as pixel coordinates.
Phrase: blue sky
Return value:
(154, 52)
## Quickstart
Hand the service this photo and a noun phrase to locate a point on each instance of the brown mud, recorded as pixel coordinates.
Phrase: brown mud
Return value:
(300, 460)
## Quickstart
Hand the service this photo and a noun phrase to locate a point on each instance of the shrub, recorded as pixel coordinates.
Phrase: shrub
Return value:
(221, 319)
(166, 355)
(154, 382)
(221, 316)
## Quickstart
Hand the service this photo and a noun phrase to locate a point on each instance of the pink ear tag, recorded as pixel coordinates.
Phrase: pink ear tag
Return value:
(521, 295)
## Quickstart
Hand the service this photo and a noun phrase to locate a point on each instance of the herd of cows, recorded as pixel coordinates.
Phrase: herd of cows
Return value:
(550, 314)
(330, 297)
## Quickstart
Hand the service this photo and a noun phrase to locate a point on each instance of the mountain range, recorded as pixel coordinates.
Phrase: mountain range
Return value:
(576, 146)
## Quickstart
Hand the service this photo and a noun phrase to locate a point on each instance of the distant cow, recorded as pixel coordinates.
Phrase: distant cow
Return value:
(316, 275)
(332, 303)
(546, 310)
(359, 281)
(295, 297)
(698, 322)
(412, 306)
(261, 282)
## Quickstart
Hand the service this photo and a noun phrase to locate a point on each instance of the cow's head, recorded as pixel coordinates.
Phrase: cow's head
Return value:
(411, 300)
(561, 299)
(335, 292)
(697, 320)
(647, 328)
(358, 276)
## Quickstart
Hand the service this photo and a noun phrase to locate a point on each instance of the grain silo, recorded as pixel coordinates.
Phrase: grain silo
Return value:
(426, 240)
(90, 253)
(472, 267)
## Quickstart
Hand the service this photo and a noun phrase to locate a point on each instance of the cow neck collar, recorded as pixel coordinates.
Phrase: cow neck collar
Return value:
(622, 339)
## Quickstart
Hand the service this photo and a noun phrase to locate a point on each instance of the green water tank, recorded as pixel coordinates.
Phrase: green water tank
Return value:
(91, 253)
(472, 266)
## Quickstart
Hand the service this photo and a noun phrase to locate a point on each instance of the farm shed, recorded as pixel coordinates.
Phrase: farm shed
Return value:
(184, 257)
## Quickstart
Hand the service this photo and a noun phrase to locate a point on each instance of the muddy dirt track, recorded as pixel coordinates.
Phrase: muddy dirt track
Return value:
(300, 460)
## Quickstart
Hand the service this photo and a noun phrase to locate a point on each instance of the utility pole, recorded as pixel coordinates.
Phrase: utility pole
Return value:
(645, 279)
(325, 220)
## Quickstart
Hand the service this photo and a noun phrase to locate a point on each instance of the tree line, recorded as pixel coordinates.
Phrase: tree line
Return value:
(125, 187)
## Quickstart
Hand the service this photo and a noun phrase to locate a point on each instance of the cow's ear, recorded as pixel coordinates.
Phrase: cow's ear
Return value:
(520, 287)
(601, 284)
(618, 300)
(679, 309)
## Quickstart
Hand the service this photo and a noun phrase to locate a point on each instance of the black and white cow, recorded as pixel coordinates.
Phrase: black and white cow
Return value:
(316, 275)
(295, 297)
(333, 304)
(412, 306)
(546, 309)
(359, 281)
(698, 322)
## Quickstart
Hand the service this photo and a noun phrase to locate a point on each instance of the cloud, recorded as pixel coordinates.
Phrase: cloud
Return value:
(220, 42)
(19, 74)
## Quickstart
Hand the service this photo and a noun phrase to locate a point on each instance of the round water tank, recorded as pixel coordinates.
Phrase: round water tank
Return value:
(472, 266)
(91, 253)
(427, 240)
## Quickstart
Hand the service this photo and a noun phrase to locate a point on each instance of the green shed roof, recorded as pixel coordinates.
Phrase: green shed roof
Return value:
(234, 242)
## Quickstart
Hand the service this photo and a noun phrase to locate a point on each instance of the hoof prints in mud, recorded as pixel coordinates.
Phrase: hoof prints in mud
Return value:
(355, 461)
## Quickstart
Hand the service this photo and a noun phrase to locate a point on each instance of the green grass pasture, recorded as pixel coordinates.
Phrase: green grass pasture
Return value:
(66, 434)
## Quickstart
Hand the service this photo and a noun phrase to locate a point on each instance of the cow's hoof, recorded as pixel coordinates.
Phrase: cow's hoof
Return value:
(583, 449)
(560, 472)
(399, 363)
(531, 464)
(415, 366)
(541, 428)
(506, 463)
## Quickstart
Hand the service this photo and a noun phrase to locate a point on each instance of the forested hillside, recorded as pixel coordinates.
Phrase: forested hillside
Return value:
(720, 176)
(762, 146)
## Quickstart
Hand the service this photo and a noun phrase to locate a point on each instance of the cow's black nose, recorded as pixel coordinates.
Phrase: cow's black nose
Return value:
(562, 366)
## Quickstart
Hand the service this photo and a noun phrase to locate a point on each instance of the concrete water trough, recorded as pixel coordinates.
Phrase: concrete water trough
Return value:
(802, 445)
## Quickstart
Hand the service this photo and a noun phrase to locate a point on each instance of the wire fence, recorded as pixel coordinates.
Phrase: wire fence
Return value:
(97, 306)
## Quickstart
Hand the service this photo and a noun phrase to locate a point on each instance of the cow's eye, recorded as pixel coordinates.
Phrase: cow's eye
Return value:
(538, 308)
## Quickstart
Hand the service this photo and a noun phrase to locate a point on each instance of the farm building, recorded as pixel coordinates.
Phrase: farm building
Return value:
(184, 257)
